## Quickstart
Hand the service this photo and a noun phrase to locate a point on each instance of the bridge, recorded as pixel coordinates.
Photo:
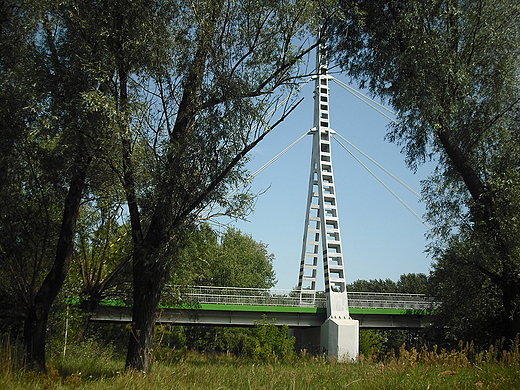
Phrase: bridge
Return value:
(328, 320)
(305, 309)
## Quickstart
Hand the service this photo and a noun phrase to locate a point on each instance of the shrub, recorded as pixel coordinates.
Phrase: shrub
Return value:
(270, 342)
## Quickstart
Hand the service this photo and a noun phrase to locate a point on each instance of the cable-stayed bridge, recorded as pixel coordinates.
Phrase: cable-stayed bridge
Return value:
(234, 306)
(329, 320)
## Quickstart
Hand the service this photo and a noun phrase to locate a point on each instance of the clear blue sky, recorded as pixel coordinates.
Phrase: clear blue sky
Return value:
(380, 237)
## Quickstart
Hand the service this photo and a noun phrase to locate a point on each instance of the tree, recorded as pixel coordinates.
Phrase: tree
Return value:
(57, 139)
(270, 342)
(191, 83)
(183, 87)
(27, 217)
(238, 261)
(413, 283)
(229, 259)
(449, 68)
(378, 343)
(102, 253)
(456, 282)
(373, 285)
(407, 283)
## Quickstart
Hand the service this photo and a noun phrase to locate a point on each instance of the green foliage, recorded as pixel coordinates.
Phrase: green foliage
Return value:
(206, 86)
(480, 268)
(31, 178)
(373, 285)
(103, 252)
(436, 62)
(407, 283)
(454, 280)
(379, 343)
(115, 335)
(156, 102)
(461, 368)
(270, 342)
(54, 138)
(413, 283)
(217, 339)
(371, 343)
(450, 69)
(88, 356)
(265, 342)
(234, 259)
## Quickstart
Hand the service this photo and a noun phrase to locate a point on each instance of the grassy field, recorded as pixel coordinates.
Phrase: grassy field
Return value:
(91, 367)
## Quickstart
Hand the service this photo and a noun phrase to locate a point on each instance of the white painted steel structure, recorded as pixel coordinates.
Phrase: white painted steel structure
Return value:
(322, 221)
(339, 334)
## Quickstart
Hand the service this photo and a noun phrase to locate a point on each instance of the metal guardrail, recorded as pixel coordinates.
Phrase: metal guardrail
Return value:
(292, 298)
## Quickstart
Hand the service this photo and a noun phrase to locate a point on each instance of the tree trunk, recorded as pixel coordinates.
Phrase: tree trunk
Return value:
(149, 281)
(151, 270)
(35, 337)
(462, 165)
(36, 323)
(485, 211)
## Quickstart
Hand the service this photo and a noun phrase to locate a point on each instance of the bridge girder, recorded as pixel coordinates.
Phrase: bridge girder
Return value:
(249, 318)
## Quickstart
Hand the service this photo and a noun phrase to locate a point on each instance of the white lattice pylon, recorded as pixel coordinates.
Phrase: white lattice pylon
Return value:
(322, 228)
(339, 334)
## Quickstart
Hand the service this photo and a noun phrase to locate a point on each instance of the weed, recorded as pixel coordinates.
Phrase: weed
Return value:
(410, 368)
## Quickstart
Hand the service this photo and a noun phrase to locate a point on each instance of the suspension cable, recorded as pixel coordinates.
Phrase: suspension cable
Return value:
(260, 170)
(263, 167)
(367, 100)
(382, 168)
(384, 185)
(269, 114)
(372, 103)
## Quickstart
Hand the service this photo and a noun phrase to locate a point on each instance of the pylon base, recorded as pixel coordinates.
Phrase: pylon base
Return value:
(340, 338)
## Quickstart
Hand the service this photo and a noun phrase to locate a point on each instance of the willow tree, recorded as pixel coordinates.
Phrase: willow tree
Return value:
(215, 111)
(450, 69)
(55, 141)
(192, 86)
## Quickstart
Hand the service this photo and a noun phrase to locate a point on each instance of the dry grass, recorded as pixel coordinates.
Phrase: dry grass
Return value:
(464, 368)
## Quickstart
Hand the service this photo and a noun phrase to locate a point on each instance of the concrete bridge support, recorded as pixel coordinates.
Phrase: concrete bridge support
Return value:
(340, 338)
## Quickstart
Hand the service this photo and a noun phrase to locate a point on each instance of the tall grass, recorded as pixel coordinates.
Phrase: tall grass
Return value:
(91, 367)
(11, 355)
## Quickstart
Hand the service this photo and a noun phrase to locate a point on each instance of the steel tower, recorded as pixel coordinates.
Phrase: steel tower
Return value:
(322, 229)
(339, 335)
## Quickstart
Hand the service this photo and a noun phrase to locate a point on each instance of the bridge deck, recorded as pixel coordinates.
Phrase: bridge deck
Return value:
(245, 307)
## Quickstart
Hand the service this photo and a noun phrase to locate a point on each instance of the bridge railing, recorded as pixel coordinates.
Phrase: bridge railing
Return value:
(293, 298)
(245, 296)
(371, 300)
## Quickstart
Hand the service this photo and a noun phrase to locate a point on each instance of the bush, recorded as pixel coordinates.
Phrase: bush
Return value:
(270, 342)
(371, 343)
